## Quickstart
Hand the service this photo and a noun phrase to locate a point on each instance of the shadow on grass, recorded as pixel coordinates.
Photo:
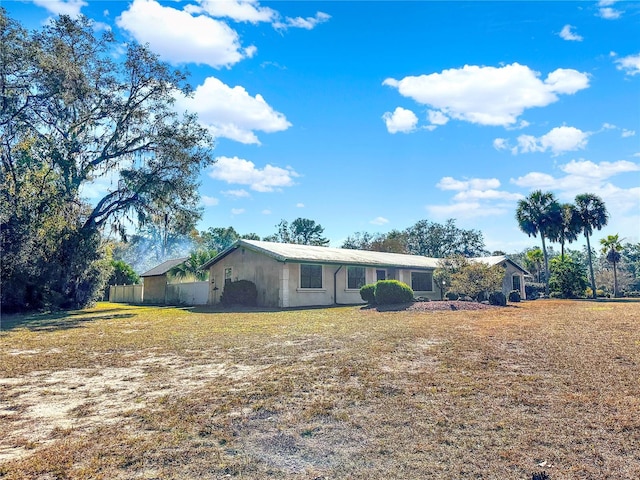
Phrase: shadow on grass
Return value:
(49, 322)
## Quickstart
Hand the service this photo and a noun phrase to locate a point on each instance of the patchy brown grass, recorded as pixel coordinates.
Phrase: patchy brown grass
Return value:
(121, 392)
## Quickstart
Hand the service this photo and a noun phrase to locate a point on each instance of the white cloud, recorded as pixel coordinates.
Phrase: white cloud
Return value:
(379, 221)
(608, 13)
(630, 64)
(500, 144)
(209, 201)
(567, 33)
(266, 211)
(401, 120)
(628, 133)
(238, 10)
(299, 205)
(231, 112)
(558, 140)
(236, 193)
(586, 176)
(436, 117)
(475, 197)
(308, 23)
(237, 211)
(178, 37)
(62, 7)
(450, 183)
(489, 95)
(243, 172)
(465, 210)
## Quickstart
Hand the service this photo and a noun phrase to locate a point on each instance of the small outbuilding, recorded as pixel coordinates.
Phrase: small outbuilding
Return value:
(155, 281)
(289, 275)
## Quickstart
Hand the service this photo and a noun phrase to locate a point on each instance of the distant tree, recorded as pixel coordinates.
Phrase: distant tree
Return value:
(218, 238)
(71, 114)
(121, 274)
(540, 214)
(631, 259)
(568, 278)
(534, 258)
(611, 248)
(358, 241)
(592, 213)
(476, 279)
(191, 268)
(569, 227)
(436, 240)
(391, 242)
(302, 231)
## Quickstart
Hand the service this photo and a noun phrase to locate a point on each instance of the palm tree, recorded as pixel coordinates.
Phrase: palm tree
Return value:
(592, 214)
(535, 257)
(190, 268)
(612, 247)
(568, 230)
(540, 214)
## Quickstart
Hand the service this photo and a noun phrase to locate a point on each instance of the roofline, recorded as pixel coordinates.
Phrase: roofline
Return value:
(280, 258)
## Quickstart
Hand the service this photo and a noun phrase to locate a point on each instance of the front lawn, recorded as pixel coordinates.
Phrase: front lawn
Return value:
(338, 393)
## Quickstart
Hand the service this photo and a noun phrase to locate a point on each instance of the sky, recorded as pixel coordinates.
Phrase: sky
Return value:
(370, 116)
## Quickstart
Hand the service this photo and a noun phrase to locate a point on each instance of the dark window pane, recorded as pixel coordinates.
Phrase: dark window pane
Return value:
(355, 277)
(421, 282)
(310, 276)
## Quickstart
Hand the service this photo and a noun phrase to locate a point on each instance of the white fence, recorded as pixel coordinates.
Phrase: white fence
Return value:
(125, 293)
(192, 293)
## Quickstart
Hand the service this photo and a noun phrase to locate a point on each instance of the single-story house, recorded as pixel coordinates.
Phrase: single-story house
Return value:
(155, 281)
(288, 275)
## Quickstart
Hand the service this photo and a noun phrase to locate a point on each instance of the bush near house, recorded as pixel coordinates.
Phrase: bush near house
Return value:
(241, 292)
(392, 291)
(498, 298)
(514, 296)
(533, 290)
(368, 293)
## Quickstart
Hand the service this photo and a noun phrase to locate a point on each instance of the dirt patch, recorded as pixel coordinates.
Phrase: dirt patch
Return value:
(437, 306)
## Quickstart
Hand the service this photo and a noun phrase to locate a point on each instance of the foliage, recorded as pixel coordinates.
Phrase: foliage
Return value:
(436, 240)
(302, 231)
(631, 259)
(611, 248)
(392, 291)
(394, 241)
(71, 115)
(514, 296)
(533, 290)
(368, 293)
(219, 238)
(240, 292)
(534, 259)
(452, 296)
(121, 274)
(540, 214)
(498, 298)
(476, 278)
(592, 213)
(192, 267)
(568, 279)
(568, 228)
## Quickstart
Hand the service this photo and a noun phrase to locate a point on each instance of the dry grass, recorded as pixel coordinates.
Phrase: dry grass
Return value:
(121, 392)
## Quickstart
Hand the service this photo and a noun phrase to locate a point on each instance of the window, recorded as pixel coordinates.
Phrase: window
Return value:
(355, 277)
(516, 282)
(310, 276)
(381, 275)
(228, 271)
(421, 281)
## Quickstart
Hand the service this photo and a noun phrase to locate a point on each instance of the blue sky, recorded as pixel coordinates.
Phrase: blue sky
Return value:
(370, 116)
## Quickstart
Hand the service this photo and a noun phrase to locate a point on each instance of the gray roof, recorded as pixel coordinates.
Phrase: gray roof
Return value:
(164, 267)
(286, 252)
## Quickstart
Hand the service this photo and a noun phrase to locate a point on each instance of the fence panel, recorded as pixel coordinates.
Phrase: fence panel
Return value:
(125, 293)
(191, 293)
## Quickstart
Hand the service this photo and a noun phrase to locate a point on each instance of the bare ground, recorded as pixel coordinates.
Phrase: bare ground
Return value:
(425, 392)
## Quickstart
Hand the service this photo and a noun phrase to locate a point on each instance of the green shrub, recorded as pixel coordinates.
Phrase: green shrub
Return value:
(568, 278)
(633, 294)
(241, 292)
(556, 295)
(452, 296)
(498, 298)
(533, 290)
(514, 296)
(392, 291)
(368, 293)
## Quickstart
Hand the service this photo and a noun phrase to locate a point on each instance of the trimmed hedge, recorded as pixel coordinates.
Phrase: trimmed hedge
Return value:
(514, 296)
(368, 293)
(452, 296)
(392, 291)
(241, 292)
(498, 298)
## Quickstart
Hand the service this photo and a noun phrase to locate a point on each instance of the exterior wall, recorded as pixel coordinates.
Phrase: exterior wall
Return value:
(507, 283)
(305, 297)
(155, 289)
(245, 264)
